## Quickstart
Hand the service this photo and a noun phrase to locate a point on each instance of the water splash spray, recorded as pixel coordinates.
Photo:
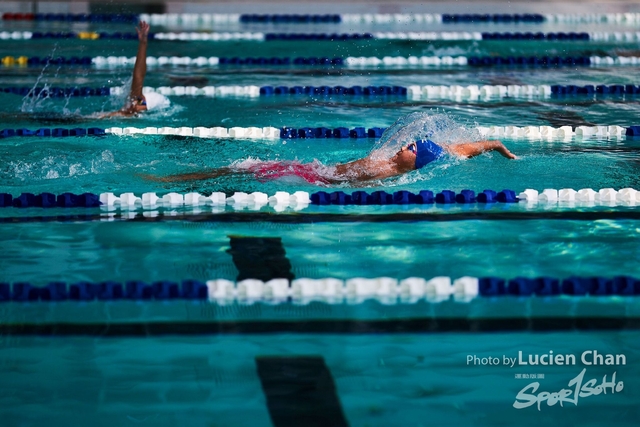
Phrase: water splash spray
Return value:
(32, 102)
(437, 126)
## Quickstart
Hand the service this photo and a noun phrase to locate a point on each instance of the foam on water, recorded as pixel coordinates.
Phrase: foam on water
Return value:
(58, 165)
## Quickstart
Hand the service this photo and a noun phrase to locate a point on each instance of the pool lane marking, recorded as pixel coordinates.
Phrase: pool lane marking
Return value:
(262, 258)
(300, 391)
(309, 218)
(338, 326)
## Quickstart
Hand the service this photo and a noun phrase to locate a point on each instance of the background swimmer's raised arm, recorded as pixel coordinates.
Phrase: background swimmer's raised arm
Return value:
(136, 101)
(140, 67)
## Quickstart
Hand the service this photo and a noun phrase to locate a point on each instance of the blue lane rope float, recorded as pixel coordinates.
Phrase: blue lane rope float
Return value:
(330, 290)
(46, 60)
(48, 132)
(317, 36)
(547, 286)
(334, 90)
(105, 291)
(408, 198)
(529, 61)
(52, 132)
(72, 17)
(492, 18)
(50, 200)
(326, 133)
(281, 61)
(570, 36)
(57, 92)
(290, 18)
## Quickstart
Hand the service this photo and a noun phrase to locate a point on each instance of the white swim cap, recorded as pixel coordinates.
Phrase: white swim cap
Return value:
(156, 101)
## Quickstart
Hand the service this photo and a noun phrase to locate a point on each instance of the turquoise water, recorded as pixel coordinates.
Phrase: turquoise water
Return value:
(74, 252)
(386, 379)
(152, 363)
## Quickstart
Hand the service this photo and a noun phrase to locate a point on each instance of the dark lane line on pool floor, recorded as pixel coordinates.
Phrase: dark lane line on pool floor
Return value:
(307, 218)
(300, 391)
(338, 326)
(262, 258)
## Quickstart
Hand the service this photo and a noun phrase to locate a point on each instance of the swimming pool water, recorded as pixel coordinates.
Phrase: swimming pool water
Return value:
(79, 252)
(185, 363)
(408, 378)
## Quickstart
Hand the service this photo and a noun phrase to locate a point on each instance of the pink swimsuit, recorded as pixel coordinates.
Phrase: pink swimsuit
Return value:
(265, 171)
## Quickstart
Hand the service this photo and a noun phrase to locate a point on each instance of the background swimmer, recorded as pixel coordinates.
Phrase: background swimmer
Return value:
(408, 136)
(136, 101)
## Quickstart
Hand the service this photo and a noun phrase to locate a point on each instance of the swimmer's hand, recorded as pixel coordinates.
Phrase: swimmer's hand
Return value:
(143, 31)
(500, 148)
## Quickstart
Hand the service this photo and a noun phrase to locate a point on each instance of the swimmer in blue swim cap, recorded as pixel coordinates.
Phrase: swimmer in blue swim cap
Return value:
(136, 101)
(412, 156)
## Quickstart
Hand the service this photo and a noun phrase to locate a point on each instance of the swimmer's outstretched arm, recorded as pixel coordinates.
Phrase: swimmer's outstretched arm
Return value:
(196, 176)
(472, 149)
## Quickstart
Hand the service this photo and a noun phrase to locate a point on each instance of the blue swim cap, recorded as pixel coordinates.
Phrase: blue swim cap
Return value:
(428, 151)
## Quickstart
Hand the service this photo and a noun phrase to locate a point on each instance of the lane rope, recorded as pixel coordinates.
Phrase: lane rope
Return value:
(348, 62)
(477, 93)
(534, 133)
(129, 201)
(600, 36)
(354, 18)
(387, 290)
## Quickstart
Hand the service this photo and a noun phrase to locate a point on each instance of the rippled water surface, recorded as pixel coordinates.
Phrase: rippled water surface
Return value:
(186, 363)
